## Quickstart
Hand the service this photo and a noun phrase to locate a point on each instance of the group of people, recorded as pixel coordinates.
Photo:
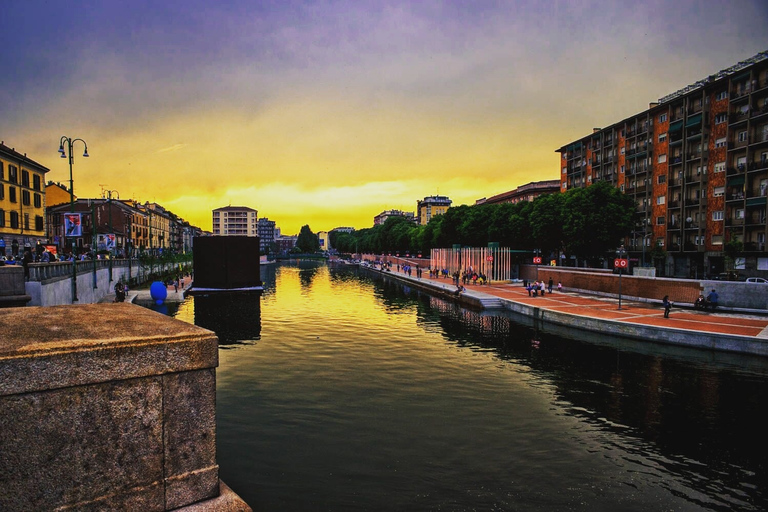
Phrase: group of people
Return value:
(537, 287)
(704, 303)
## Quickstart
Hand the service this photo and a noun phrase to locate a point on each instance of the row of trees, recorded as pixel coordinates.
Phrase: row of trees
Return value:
(585, 222)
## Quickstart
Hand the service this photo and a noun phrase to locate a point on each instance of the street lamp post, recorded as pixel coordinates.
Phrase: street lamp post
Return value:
(537, 261)
(67, 153)
(620, 264)
(109, 204)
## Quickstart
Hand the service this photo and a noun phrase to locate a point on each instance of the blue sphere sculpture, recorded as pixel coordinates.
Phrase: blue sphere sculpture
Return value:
(158, 292)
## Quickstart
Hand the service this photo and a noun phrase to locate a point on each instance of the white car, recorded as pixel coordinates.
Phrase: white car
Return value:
(757, 280)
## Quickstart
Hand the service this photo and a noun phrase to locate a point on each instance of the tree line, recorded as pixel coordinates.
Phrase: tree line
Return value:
(585, 222)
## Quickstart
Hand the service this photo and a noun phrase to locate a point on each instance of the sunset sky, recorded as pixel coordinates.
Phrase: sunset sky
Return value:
(327, 113)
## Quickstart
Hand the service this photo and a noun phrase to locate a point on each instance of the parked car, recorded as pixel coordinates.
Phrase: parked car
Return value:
(757, 280)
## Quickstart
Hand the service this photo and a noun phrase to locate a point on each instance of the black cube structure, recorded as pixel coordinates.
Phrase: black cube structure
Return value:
(226, 263)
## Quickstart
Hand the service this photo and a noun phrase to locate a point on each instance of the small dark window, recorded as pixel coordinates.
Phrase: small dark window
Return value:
(14, 220)
(12, 174)
(24, 178)
(38, 201)
(12, 194)
(25, 198)
(38, 223)
(37, 182)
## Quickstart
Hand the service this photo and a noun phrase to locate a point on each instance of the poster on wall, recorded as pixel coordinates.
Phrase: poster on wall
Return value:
(72, 225)
(105, 242)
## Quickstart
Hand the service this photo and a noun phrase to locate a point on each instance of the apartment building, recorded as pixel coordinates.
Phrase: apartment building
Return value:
(22, 201)
(266, 232)
(386, 214)
(527, 192)
(696, 164)
(235, 220)
(431, 206)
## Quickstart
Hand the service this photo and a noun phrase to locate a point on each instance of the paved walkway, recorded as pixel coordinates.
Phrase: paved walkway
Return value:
(143, 295)
(606, 308)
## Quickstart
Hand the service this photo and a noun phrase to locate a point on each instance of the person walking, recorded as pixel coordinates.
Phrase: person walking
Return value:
(667, 306)
(551, 283)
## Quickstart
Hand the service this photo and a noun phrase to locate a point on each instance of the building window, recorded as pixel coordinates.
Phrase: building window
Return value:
(621, 170)
(740, 213)
(622, 151)
(26, 221)
(662, 158)
(721, 95)
(38, 223)
(25, 198)
(663, 137)
(660, 221)
(719, 192)
(12, 174)
(14, 220)
(38, 201)
(663, 118)
(565, 170)
(12, 194)
(720, 167)
(720, 143)
(661, 199)
(742, 136)
(2, 191)
(717, 239)
(25, 178)
(36, 182)
(721, 118)
(718, 215)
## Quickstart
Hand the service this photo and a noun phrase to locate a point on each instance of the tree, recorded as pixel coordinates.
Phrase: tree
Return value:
(596, 219)
(307, 241)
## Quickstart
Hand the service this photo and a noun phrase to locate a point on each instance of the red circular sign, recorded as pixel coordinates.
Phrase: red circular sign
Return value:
(489, 258)
(537, 260)
(621, 263)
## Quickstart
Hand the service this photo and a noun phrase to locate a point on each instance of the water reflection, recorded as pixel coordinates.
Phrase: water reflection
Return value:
(234, 317)
(688, 411)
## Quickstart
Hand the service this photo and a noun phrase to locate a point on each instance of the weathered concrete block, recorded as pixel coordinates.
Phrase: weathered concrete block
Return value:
(106, 406)
(12, 289)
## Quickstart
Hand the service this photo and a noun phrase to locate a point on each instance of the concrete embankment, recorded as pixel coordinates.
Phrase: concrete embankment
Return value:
(583, 316)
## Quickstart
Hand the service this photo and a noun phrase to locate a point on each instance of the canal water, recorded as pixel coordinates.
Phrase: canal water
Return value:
(340, 389)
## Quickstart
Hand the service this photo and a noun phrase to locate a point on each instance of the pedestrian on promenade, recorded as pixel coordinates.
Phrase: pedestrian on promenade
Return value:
(551, 282)
(667, 306)
(712, 299)
(559, 286)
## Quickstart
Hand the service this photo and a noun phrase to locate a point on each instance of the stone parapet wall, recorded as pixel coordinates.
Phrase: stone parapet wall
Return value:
(106, 407)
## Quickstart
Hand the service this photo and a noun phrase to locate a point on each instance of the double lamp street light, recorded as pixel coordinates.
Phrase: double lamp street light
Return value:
(67, 153)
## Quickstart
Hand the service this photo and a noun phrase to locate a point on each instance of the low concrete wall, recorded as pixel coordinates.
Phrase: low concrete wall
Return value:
(51, 284)
(734, 295)
(107, 407)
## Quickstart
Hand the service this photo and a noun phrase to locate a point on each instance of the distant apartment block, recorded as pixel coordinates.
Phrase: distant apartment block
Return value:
(431, 206)
(383, 216)
(527, 192)
(266, 232)
(235, 220)
(696, 164)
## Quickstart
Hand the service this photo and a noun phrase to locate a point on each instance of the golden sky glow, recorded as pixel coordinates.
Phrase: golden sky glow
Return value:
(327, 113)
